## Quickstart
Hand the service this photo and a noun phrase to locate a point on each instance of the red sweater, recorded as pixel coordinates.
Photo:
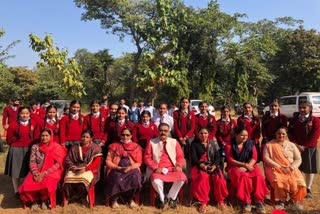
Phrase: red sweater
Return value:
(54, 127)
(105, 111)
(28, 134)
(9, 115)
(70, 130)
(225, 131)
(209, 122)
(144, 134)
(96, 124)
(184, 125)
(252, 126)
(113, 130)
(298, 132)
(270, 125)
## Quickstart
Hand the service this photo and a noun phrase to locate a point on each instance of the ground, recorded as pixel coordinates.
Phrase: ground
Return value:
(10, 205)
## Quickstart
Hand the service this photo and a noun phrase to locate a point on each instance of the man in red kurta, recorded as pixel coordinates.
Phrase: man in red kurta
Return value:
(164, 156)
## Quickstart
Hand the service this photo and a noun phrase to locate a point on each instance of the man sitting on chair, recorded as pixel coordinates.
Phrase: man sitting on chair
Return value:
(164, 156)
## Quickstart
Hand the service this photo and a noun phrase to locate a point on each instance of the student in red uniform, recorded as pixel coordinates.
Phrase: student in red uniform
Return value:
(71, 126)
(272, 120)
(51, 122)
(252, 124)
(184, 123)
(22, 133)
(225, 131)
(114, 127)
(35, 113)
(205, 119)
(305, 132)
(95, 121)
(105, 110)
(10, 113)
(145, 130)
(245, 176)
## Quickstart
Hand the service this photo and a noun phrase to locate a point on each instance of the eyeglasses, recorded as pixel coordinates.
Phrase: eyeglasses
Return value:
(125, 135)
(163, 130)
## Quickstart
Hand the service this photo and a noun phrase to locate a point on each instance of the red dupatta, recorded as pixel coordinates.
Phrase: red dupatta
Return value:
(53, 152)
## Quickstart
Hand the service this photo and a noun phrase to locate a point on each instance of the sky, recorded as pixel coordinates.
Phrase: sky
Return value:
(62, 19)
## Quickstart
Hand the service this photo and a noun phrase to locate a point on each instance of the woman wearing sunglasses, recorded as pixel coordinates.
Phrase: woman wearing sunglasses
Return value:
(123, 162)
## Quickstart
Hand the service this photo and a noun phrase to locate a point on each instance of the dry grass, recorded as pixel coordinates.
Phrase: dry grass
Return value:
(10, 205)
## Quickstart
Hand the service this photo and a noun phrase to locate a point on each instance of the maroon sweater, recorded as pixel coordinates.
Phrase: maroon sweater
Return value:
(9, 115)
(145, 134)
(70, 129)
(270, 125)
(113, 130)
(225, 131)
(209, 122)
(299, 135)
(28, 134)
(184, 126)
(252, 126)
(97, 125)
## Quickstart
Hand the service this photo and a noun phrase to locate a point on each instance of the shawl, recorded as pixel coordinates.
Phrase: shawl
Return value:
(131, 150)
(246, 154)
(75, 158)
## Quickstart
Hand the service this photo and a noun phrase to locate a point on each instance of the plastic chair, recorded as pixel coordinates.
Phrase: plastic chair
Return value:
(91, 196)
(52, 198)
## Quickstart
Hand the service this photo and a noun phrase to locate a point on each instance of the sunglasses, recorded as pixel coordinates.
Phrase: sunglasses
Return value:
(126, 135)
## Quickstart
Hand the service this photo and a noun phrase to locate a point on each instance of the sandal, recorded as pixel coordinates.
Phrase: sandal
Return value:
(202, 208)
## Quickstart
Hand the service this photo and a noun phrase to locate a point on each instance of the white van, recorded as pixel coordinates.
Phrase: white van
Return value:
(194, 106)
(290, 104)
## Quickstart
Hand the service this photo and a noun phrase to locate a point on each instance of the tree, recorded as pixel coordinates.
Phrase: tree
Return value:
(94, 68)
(164, 64)
(4, 51)
(54, 57)
(24, 81)
(297, 63)
(123, 18)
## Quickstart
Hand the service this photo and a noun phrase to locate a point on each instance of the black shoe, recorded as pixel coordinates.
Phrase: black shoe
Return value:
(158, 203)
(309, 193)
(173, 203)
(17, 195)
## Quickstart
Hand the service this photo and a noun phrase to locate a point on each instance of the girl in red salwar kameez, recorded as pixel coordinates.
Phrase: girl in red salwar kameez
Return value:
(206, 174)
(245, 176)
(46, 166)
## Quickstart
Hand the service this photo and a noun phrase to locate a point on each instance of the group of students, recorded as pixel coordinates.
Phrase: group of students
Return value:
(72, 149)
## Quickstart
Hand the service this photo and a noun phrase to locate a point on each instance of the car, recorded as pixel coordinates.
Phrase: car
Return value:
(194, 106)
(290, 104)
(60, 104)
